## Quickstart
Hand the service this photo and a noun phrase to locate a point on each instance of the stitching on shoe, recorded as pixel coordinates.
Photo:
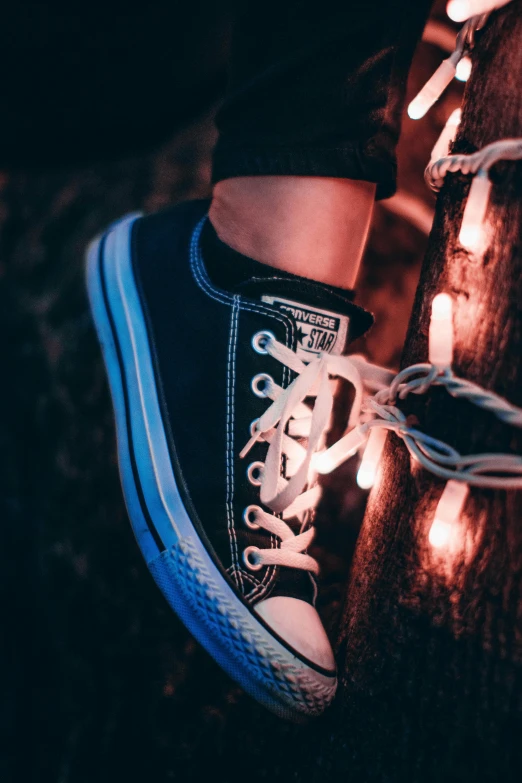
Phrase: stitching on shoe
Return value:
(244, 575)
(205, 284)
(231, 378)
(296, 685)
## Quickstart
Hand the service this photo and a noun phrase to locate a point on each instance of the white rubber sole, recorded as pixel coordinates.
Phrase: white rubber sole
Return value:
(184, 570)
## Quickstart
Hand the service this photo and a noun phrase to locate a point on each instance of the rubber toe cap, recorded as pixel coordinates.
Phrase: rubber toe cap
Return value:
(299, 625)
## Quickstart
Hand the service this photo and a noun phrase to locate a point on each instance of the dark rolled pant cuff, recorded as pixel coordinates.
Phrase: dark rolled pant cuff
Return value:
(317, 89)
(361, 162)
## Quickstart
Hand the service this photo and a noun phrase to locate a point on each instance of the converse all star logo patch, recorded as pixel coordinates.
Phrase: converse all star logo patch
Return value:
(318, 331)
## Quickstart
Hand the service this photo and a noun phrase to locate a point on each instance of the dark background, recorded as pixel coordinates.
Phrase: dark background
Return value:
(105, 110)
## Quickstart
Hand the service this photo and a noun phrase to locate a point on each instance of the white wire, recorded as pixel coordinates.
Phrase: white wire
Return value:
(482, 160)
(499, 471)
(380, 410)
(481, 470)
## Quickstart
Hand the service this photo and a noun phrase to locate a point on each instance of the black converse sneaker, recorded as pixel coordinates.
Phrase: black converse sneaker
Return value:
(216, 443)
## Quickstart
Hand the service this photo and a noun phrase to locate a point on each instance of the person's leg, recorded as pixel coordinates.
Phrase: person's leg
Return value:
(211, 354)
(315, 227)
(309, 128)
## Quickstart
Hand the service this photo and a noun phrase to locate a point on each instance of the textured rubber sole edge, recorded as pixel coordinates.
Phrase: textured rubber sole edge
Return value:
(184, 571)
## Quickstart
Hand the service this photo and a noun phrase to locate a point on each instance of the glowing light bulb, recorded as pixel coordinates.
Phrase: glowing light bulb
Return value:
(440, 534)
(460, 10)
(432, 90)
(442, 307)
(442, 145)
(463, 71)
(441, 332)
(367, 472)
(418, 108)
(346, 447)
(473, 232)
(444, 528)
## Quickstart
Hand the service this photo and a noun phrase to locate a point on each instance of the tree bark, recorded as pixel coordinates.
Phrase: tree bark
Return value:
(431, 650)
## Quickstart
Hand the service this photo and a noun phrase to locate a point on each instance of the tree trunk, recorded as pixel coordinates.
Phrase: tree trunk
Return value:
(431, 651)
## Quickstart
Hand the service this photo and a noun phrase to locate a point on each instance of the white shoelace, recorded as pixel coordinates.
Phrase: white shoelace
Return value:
(287, 418)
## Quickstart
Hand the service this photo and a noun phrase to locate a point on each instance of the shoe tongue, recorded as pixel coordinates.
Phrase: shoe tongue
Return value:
(326, 318)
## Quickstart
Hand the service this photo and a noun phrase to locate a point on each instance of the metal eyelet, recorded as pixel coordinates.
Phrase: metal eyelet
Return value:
(260, 340)
(251, 473)
(247, 513)
(266, 382)
(253, 426)
(252, 565)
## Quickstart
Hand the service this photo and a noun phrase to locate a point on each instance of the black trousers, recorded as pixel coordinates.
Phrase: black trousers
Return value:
(318, 89)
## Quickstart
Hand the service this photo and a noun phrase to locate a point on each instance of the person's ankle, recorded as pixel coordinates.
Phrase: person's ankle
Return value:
(231, 270)
(315, 227)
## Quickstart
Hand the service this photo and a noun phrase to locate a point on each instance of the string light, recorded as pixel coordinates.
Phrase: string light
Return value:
(446, 71)
(380, 410)
(367, 472)
(373, 416)
(447, 515)
(443, 143)
(473, 234)
(441, 332)
(434, 87)
(463, 70)
(460, 10)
